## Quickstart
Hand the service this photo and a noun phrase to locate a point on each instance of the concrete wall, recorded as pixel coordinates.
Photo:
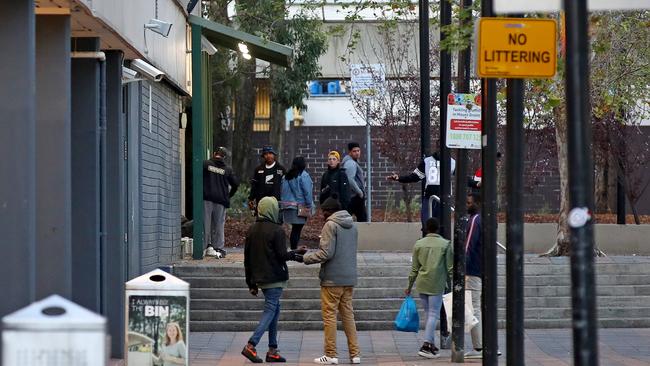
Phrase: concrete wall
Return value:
(538, 238)
(160, 177)
(127, 18)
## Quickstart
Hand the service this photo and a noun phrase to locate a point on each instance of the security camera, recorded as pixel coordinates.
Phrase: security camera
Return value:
(147, 70)
(129, 74)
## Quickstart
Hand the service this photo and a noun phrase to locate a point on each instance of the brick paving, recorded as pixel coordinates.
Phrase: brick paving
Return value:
(544, 347)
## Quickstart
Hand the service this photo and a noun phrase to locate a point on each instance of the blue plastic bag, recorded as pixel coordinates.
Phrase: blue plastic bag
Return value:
(407, 319)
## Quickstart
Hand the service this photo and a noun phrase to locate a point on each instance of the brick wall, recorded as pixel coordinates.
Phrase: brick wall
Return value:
(160, 177)
(541, 194)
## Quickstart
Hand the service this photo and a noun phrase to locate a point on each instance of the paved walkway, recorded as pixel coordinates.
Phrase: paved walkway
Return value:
(544, 347)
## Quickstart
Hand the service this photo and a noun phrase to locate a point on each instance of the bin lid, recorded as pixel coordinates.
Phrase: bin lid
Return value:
(54, 313)
(158, 280)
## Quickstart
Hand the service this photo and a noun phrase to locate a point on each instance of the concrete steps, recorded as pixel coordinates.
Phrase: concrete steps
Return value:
(220, 300)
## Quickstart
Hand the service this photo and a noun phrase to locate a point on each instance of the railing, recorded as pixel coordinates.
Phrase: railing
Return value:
(434, 197)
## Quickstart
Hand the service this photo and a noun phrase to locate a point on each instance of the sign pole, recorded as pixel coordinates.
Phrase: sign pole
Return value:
(489, 211)
(458, 316)
(369, 162)
(445, 158)
(583, 289)
(515, 223)
(425, 86)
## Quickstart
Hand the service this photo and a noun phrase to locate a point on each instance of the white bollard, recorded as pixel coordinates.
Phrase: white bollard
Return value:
(157, 320)
(53, 332)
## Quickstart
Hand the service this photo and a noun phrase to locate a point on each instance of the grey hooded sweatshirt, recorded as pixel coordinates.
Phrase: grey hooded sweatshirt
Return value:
(356, 176)
(337, 251)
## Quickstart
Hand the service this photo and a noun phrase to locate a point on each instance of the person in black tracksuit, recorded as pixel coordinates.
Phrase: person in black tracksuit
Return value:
(219, 185)
(334, 182)
(267, 179)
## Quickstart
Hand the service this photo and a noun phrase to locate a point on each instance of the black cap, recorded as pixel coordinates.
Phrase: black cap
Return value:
(268, 149)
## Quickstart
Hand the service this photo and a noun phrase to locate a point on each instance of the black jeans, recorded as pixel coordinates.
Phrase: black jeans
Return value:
(357, 208)
(294, 238)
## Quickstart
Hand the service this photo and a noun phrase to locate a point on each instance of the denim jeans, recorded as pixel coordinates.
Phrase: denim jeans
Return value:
(270, 318)
(432, 304)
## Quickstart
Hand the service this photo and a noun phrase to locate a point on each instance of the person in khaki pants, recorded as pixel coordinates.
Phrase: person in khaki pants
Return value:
(337, 254)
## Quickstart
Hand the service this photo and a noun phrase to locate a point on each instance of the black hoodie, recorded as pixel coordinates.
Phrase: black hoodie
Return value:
(217, 177)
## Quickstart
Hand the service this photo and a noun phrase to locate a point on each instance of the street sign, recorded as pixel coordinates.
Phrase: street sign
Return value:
(551, 6)
(517, 48)
(464, 121)
(367, 80)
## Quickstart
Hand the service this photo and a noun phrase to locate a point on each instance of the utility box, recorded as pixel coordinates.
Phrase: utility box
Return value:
(53, 331)
(157, 320)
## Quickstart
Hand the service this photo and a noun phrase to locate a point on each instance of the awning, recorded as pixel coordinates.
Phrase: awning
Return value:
(224, 36)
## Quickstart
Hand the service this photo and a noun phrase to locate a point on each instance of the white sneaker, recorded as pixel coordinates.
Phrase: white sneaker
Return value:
(209, 251)
(355, 360)
(473, 355)
(324, 360)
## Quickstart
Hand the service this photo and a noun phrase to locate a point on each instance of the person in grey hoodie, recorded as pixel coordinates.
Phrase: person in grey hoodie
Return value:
(337, 254)
(356, 179)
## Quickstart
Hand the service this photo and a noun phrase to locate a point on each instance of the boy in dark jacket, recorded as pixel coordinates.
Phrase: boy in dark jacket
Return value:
(265, 257)
(219, 184)
(267, 179)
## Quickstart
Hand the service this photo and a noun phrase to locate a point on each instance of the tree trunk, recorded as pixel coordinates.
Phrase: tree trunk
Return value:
(244, 115)
(407, 201)
(602, 173)
(277, 120)
(562, 245)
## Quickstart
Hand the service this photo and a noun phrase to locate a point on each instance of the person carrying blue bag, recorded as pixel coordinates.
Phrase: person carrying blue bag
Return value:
(433, 260)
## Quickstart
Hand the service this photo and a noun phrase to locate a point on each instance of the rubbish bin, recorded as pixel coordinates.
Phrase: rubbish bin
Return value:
(157, 320)
(53, 331)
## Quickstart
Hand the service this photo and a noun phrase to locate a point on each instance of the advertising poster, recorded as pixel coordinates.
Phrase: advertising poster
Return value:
(463, 121)
(157, 334)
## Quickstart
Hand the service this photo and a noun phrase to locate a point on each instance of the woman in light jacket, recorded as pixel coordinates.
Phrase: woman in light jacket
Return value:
(297, 188)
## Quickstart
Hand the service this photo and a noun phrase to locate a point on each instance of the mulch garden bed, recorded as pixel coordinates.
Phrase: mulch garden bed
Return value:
(236, 228)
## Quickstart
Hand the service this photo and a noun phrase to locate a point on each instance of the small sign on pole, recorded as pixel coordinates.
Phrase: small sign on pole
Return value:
(464, 121)
(517, 48)
(367, 80)
(367, 83)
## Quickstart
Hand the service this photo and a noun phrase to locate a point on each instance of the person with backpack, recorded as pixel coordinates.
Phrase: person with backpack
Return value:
(297, 199)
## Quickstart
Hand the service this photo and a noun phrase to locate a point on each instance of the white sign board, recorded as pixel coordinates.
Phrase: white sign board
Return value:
(464, 121)
(552, 6)
(367, 80)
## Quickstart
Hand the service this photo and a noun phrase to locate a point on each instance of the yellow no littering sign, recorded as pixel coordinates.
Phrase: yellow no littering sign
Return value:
(517, 48)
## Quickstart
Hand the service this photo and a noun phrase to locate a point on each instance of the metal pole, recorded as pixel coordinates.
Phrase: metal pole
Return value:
(515, 224)
(458, 314)
(583, 289)
(489, 211)
(198, 143)
(425, 83)
(369, 157)
(445, 159)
